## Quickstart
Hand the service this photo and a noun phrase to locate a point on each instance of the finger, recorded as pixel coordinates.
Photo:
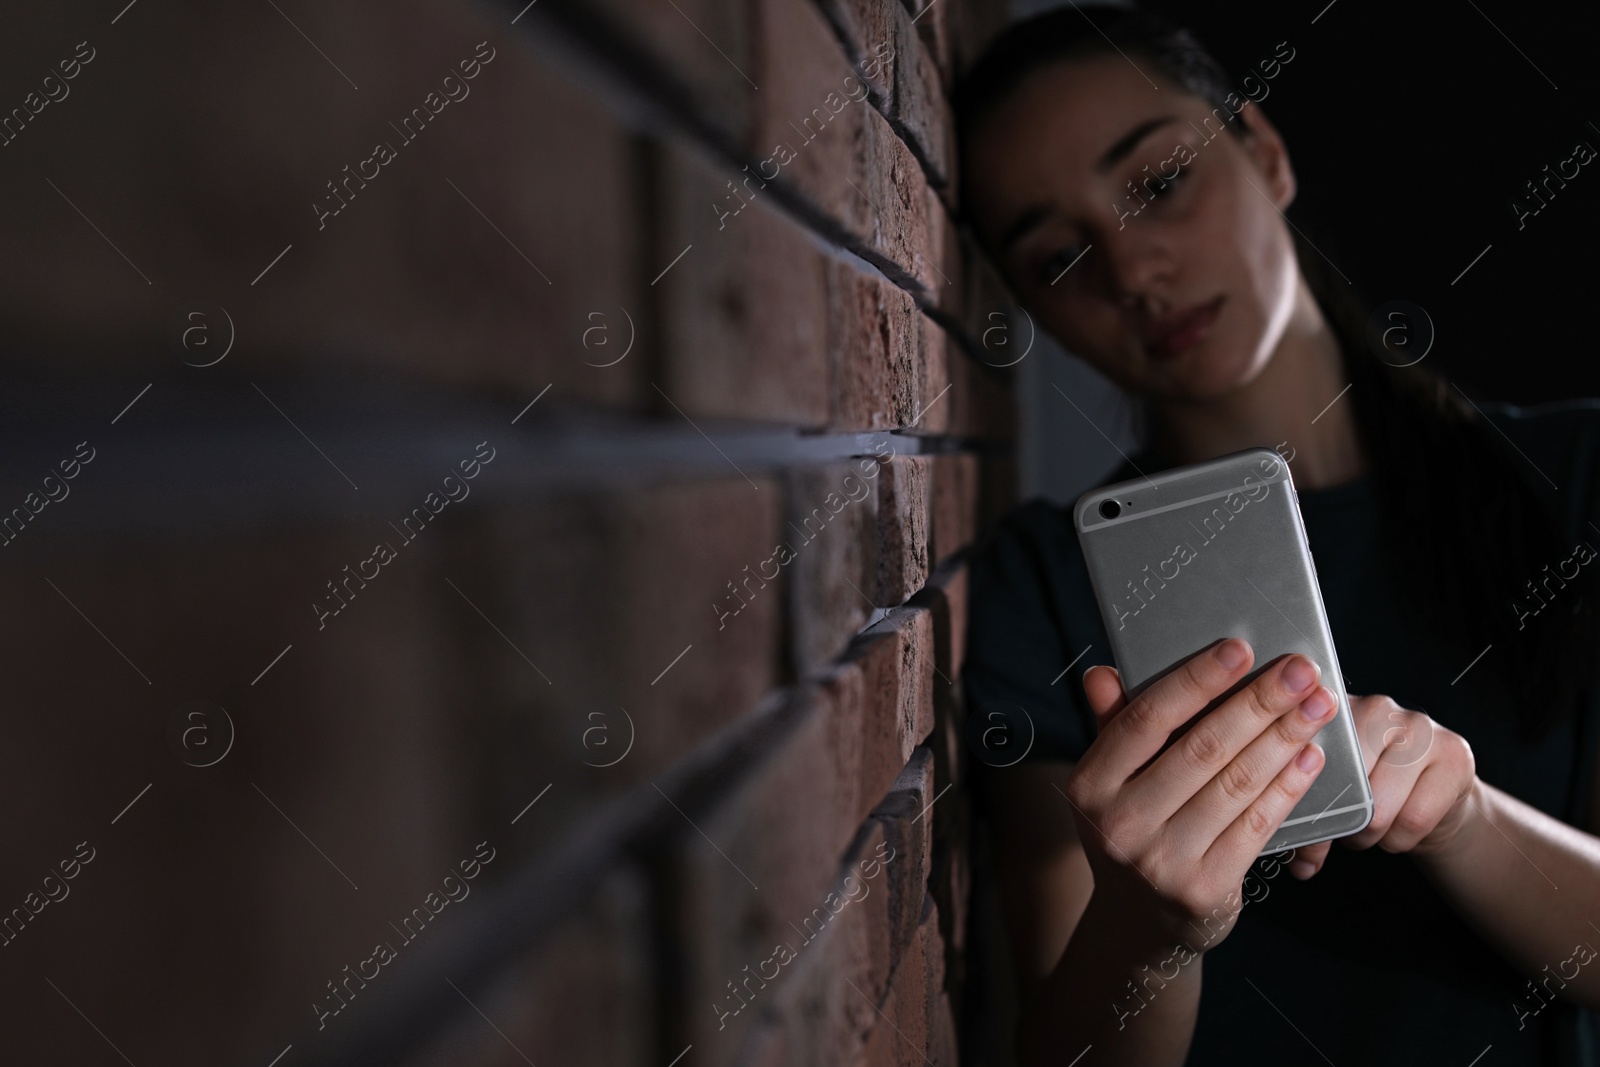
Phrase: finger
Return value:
(1214, 770)
(1237, 785)
(1239, 845)
(1393, 788)
(1366, 714)
(1309, 860)
(1390, 733)
(1140, 730)
(1102, 685)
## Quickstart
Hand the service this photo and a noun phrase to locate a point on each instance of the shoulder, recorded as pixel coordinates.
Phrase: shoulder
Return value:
(1033, 521)
(1027, 548)
(1042, 529)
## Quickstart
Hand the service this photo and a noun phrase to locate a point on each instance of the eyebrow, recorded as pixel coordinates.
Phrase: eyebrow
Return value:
(1120, 150)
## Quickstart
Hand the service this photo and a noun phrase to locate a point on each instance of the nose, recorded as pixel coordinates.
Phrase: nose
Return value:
(1138, 260)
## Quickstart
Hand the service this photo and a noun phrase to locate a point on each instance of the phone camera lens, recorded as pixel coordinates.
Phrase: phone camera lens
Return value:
(1110, 509)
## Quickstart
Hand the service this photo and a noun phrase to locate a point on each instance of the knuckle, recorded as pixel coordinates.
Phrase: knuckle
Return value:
(1203, 748)
(1258, 820)
(1116, 827)
(1142, 715)
(1413, 822)
(1266, 698)
(1079, 787)
(1292, 731)
(1236, 782)
(1288, 788)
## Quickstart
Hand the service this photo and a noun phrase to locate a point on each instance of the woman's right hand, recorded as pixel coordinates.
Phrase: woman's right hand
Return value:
(1170, 835)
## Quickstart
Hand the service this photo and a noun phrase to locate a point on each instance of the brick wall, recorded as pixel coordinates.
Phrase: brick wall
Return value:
(685, 747)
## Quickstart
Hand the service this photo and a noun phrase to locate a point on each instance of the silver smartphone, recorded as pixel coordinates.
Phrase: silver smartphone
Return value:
(1188, 556)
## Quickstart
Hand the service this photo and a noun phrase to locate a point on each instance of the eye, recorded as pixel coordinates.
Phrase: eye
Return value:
(1163, 187)
(1052, 269)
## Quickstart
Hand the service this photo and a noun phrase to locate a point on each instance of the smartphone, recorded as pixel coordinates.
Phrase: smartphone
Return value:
(1184, 558)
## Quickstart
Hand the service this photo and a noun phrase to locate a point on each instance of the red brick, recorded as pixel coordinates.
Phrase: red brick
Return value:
(934, 27)
(409, 276)
(603, 590)
(707, 45)
(936, 383)
(900, 227)
(825, 1009)
(867, 28)
(954, 507)
(947, 601)
(342, 736)
(584, 997)
(919, 106)
(847, 162)
(879, 710)
(874, 335)
(745, 312)
(903, 522)
(910, 834)
(916, 1023)
(949, 879)
(884, 1044)
(981, 401)
(425, 276)
(896, 659)
(835, 568)
(774, 861)
(806, 75)
(947, 284)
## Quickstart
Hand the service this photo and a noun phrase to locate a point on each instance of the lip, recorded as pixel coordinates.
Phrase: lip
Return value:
(1176, 333)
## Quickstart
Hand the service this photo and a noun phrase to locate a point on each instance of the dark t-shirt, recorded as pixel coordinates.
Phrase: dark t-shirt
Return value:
(1367, 963)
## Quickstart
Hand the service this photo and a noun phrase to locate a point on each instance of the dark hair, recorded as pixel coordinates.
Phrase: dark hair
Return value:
(1458, 477)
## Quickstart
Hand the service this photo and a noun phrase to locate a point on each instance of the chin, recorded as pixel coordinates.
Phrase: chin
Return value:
(1205, 373)
(1221, 364)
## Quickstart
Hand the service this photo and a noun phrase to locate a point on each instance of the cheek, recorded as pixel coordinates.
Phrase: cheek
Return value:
(1272, 272)
(1094, 333)
(1261, 274)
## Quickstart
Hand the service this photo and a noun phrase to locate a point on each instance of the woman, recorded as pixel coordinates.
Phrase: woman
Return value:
(1144, 228)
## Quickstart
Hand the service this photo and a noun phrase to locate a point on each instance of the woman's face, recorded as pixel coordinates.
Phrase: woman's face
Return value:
(1182, 293)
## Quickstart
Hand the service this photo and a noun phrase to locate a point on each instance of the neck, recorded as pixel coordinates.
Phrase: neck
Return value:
(1290, 405)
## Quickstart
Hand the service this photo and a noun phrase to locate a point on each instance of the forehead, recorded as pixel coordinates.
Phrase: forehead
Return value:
(1060, 121)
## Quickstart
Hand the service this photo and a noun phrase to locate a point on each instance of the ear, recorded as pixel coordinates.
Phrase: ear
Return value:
(1266, 149)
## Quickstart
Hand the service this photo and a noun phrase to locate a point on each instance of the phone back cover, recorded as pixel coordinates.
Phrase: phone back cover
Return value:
(1214, 550)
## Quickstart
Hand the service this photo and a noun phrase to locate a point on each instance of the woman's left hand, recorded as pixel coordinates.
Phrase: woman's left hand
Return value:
(1424, 784)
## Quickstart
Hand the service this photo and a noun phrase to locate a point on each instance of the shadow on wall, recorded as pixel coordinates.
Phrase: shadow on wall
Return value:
(1071, 423)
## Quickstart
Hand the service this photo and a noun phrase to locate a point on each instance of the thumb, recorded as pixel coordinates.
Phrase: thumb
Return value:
(1102, 686)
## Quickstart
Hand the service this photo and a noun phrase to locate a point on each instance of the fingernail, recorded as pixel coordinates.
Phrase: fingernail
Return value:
(1302, 869)
(1318, 704)
(1232, 653)
(1299, 674)
(1309, 757)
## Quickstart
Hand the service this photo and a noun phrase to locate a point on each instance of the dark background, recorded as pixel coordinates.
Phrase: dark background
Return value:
(1411, 128)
